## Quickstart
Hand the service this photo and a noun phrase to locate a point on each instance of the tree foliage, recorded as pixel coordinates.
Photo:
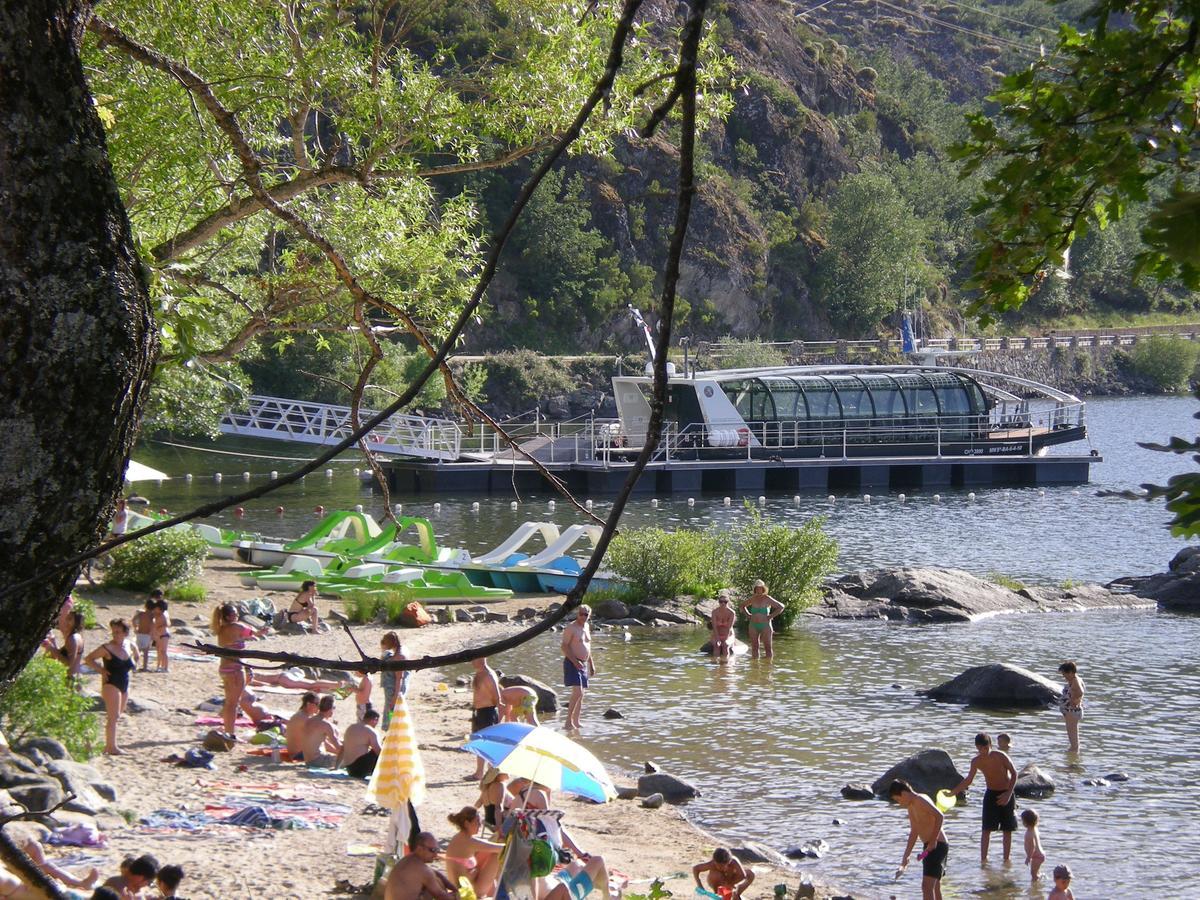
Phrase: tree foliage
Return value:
(42, 702)
(158, 560)
(1083, 135)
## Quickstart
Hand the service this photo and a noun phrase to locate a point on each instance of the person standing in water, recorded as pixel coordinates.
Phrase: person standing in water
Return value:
(762, 609)
(723, 619)
(1071, 703)
(999, 800)
(925, 822)
(578, 666)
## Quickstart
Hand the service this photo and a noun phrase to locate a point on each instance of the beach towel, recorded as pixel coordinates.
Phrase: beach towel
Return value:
(190, 657)
(78, 835)
(252, 816)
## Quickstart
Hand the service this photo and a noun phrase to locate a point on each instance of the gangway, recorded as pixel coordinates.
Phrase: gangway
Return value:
(281, 419)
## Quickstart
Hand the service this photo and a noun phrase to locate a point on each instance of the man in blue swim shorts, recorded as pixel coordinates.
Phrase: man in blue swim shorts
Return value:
(577, 663)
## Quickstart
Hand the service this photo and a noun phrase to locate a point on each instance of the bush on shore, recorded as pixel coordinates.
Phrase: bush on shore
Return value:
(41, 702)
(664, 564)
(157, 560)
(792, 561)
(365, 608)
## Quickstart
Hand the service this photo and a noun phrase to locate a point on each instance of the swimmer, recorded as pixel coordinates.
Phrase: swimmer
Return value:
(294, 731)
(1071, 703)
(762, 609)
(415, 878)
(470, 856)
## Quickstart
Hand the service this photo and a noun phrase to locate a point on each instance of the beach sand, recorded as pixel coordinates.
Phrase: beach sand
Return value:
(232, 862)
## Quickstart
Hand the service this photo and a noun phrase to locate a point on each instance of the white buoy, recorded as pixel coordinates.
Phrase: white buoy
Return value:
(358, 507)
(691, 501)
(357, 470)
(796, 500)
(217, 476)
(937, 498)
(866, 498)
(762, 501)
(901, 497)
(831, 498)
(475, 507)
(245, 476)
(1042, 493)
(329, 473)
(188, 477)
(971, 496)
(654, 503)
(587, 504)
(513, 505)
(274, 475)
(727, 501)
(552, 504)
(1076, 493)
(399, 508)
(437, 507)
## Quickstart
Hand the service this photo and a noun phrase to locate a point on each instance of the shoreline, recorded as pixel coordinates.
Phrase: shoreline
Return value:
(225, 862)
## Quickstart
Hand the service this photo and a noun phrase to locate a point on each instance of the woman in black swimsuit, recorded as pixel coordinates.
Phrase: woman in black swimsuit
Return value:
(116, 661)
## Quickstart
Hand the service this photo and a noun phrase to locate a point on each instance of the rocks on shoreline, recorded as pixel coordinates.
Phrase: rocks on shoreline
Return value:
(1177, 589)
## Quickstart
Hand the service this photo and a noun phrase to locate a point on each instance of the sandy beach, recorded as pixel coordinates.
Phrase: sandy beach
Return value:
(241, 862)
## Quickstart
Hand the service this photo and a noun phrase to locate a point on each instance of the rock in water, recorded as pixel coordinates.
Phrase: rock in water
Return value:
(998, 685)
(928, 772)
(654, 801)
(1033, 783)
(611, 609)
(857, 792)
(673, 789)
(613, 714)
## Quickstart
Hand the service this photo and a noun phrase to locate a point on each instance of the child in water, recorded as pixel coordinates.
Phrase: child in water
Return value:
(1034, 855)
(1062, 884)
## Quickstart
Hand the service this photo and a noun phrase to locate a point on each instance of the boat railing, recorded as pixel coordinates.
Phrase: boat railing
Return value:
(1005, 425)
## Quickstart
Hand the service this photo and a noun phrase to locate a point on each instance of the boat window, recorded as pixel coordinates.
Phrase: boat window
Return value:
(822, 402)
(856, 400)
(954, 399)
(762, 405)
(789, 403)
(886, 394)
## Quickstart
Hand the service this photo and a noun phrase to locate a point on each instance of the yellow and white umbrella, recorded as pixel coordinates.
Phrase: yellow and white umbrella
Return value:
(399, 776)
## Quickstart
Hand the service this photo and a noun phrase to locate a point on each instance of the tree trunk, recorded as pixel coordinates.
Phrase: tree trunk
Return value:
(77, 337)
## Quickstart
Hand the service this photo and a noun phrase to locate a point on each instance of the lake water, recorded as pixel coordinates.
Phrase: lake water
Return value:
(771, 743)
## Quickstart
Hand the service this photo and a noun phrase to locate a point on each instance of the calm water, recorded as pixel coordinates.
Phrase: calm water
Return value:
(770, 744)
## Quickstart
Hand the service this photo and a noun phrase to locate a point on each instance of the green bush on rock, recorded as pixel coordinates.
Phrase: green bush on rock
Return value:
(41, 702)
(157, 560)
(792, 561)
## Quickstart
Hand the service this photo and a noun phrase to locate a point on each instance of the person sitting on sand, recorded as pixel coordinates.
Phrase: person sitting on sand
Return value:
(115, 660)
(723, 619)
(160, 632)
(25, 836)
(303, 610)
(494, 797)
(142, 624)
(518, 702)
(725, 871)
(470, 856)
(415, 878)
(925, 822)
(578, 879)
(134, 878)
(296, 725)
(321, 745)
(168, 881)
(70, 653)
(528, 794)
(360, 746)
(999, 800)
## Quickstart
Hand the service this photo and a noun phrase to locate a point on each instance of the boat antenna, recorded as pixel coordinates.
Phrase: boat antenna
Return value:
(641, 323)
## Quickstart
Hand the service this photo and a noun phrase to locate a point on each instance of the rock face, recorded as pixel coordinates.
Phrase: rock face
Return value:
(1177, 589)
(922, 595)
(928, 772)
(998, 685)
(547, 701)
(1033, 783)
(674, 790)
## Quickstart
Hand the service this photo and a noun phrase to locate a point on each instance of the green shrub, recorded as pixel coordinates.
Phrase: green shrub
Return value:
(1005, 581)
(363, 608)
(792, 561)
(1166, 360)
(187, 592)
(749, 354)
(42, 703)
(524, 379)
(665, 564)
(88, 609)
(157, 560)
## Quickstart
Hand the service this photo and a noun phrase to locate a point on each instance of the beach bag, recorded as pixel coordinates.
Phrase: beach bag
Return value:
(197, 759)
(414, 615)
(220, 743)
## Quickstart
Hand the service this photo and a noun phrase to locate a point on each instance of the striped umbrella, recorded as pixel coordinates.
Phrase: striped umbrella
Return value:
(399, 776)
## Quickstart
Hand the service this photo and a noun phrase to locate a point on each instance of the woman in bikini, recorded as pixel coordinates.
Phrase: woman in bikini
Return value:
(762, 608)
(160, 633)
(494, 797)
(114, 660)
(303, 610)
(70, 654)
(232, 633)
(1071, 703)
(470, 856)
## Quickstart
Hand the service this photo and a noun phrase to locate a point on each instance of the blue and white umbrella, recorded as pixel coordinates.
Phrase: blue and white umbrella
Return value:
(544, 756)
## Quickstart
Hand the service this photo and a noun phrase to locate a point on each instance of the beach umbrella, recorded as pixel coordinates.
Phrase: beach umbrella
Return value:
(544, 756)
(137, 472)
(398, 782)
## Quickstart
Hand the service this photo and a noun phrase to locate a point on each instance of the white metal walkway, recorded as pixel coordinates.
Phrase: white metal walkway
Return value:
(321, 423)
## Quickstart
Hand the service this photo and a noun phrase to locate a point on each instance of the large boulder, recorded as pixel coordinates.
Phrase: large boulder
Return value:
(1033, 783)
(928, 595)
(928, 772)
(38, 796)
(87, 784)
(675, 790)
(998, 685)
(610, 609)
(547, 701)
(49, 747)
